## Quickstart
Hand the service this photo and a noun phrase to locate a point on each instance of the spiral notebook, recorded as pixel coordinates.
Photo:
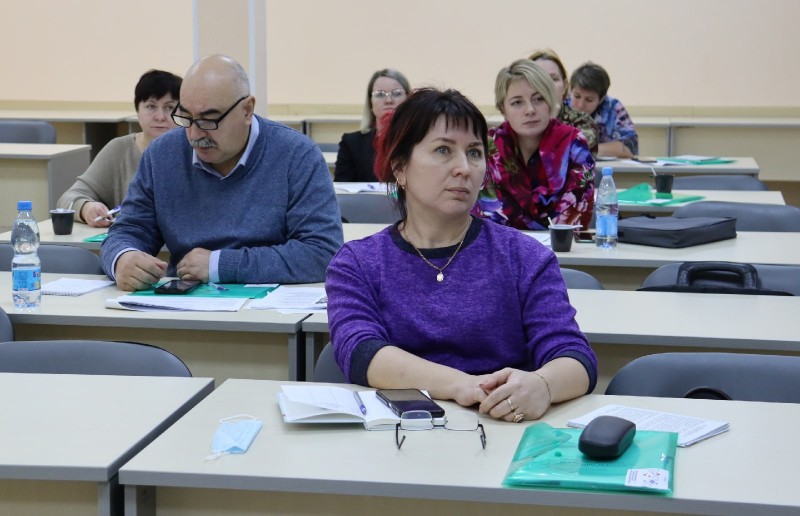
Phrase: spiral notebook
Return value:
(73, 286)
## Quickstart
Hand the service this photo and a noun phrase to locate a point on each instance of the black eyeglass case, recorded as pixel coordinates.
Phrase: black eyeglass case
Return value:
(606, 437)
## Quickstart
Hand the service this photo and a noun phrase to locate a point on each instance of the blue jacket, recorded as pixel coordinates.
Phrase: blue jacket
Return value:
(276, 220)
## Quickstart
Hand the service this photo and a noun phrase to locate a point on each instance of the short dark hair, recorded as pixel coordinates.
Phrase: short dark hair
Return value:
(410, 123)
(156, 83)
(592, 77)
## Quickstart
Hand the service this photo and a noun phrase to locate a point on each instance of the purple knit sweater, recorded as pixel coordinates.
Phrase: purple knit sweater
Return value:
(503, 303)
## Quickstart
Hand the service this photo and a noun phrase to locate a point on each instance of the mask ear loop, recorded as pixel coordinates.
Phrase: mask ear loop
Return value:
(214, 457)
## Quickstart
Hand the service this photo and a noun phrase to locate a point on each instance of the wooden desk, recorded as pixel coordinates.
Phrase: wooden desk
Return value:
(245, 344)
(297, 469)
(642, 323)
(628, 173)
(75, 239)
(625, 267)
(71, 433)
(94, 127)
(39, 173)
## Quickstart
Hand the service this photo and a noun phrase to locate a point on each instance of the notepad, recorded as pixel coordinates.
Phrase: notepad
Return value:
(689, 429)
(73, 287)
(323, 404)
(355, 187)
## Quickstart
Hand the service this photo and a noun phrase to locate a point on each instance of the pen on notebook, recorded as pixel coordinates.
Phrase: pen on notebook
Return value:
(360, 403)
(109, 215)
(218, 287)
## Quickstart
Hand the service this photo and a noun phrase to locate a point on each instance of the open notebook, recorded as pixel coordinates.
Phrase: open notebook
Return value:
(325, 404)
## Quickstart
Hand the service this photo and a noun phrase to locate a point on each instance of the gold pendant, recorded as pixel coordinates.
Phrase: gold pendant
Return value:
(440, 277)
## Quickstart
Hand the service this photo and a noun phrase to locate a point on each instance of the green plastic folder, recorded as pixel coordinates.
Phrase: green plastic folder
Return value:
(642, 194)
(704, 161)
(549, 457)
(234, 290)
(96, 238)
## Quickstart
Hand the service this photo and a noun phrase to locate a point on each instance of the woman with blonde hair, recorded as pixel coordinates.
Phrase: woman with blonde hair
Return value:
(540, 170)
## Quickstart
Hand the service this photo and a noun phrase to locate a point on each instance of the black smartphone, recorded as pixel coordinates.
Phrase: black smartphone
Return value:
(178, 286)
(585, 236)
(403, 400)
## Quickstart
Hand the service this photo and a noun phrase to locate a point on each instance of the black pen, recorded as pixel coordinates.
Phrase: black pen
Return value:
(360, 402)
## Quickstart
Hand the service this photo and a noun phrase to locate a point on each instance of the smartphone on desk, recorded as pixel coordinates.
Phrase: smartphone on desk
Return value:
(403, 400)
(585, 236)
(177, 286)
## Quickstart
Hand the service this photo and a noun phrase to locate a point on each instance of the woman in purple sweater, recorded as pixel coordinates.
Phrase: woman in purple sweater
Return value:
(465, 308)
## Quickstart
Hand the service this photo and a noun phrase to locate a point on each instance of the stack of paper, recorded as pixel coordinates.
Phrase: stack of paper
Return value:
(288, 300)
(185, 303)
(689, 429)
(354, 187)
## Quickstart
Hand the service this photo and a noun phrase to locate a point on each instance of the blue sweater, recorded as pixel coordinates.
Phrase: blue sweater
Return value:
(275, 220)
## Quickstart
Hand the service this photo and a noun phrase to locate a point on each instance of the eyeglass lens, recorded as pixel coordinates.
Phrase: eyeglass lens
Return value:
(395, 94)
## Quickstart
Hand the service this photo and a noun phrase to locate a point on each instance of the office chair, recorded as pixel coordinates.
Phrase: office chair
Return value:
(715, 182)
(328, 147)
(580, 280)
(6, 328)
(367, 208)
(782, 278)
(26, 131)
(326, 369)
(743, 377)
(89, 357)
(59, 259)
(749, 216)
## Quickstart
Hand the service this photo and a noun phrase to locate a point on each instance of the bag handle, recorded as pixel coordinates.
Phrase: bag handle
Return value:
(688, 271)
(707, 393)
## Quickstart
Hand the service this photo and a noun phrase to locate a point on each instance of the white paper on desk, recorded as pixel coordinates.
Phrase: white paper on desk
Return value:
(354, 187)
(178, 303)
(543, 237)
(689, 429)
(73, 286)
(303, 299)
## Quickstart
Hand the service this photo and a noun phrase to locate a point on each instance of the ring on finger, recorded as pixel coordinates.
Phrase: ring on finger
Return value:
(518, 418)
(513, 408)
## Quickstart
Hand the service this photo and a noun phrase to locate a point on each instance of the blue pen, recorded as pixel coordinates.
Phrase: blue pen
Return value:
(360, 403)
(218, 287)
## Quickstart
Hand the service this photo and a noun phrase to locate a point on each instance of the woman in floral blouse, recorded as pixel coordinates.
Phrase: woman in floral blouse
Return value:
(540, 170)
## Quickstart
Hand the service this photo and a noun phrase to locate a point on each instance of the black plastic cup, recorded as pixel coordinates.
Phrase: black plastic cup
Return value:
(561, 237)
(664, 183)
(62, 221)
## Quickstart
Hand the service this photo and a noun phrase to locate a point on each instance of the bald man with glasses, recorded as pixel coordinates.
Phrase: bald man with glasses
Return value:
(235, 198)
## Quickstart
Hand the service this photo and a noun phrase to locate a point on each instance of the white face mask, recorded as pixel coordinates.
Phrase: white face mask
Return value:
(234, 435)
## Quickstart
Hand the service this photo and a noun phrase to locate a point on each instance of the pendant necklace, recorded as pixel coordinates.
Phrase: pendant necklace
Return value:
(440, 276)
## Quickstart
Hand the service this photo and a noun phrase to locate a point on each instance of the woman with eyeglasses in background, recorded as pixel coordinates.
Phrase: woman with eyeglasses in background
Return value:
(387, 88)
(105, 182)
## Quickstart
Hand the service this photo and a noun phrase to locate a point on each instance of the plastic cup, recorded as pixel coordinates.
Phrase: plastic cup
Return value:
(664, 183)
(561, 237)
(62, 221)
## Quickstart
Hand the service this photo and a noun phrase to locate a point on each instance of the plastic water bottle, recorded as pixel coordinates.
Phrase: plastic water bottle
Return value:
(606, 211)
(26, 269)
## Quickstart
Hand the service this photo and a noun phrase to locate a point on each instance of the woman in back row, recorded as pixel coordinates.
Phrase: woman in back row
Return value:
(355, 161)
(540, 170)
(105, 182)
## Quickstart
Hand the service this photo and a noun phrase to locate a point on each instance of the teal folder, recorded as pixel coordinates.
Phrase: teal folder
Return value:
(642, 194)
(234, 290)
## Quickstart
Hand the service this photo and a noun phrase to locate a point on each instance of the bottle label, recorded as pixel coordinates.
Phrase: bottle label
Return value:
(26, 279)
(606, 226)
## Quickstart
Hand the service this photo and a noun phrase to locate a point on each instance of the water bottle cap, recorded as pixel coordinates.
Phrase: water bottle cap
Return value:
(24, 206)
(608, 171)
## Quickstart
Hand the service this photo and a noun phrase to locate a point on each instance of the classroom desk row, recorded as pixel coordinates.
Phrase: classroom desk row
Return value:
(624, 325)
(623, 268)
(89, 439)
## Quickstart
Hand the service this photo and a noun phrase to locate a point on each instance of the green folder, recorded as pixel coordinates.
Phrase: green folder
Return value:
(204, 290)
(549, 458)
(96, 238)
(642, 194)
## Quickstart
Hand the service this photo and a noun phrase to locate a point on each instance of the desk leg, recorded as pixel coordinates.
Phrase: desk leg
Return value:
(310, 339)
(670, 141)
(110, 498)
(140, 501)
(297, 372)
